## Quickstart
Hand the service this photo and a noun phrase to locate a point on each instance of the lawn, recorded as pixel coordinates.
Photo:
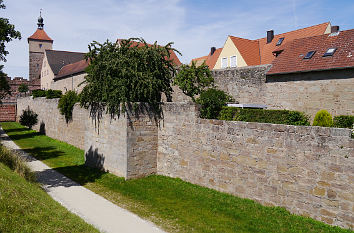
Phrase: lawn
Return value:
(25, 207)
(173, 204)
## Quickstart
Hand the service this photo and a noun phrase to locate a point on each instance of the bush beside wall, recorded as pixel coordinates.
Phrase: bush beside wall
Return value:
(264, 116)
(49, 94)
(343, 121)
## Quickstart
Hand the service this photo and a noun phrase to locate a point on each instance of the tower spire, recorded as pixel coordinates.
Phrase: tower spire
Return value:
(40, 20)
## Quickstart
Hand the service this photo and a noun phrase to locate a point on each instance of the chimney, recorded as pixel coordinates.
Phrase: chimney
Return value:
(212, 51)
(270, 36)
(334, 29)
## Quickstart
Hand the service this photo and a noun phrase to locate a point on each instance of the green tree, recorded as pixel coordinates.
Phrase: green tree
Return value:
(23, 88)
(128, 73)
(7, 33)
(192, 80)
(4, 85)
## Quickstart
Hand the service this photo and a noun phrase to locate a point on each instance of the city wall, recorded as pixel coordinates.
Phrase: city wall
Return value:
(308, 170)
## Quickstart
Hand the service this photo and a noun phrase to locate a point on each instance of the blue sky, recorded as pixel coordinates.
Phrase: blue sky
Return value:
(194, 26)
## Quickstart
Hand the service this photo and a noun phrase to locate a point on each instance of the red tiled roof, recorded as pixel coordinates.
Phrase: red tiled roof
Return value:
(40, 34)
(249, 50)
(173, 55)
(71, 69)
(267, 49)
(291, 59)
(210, 61)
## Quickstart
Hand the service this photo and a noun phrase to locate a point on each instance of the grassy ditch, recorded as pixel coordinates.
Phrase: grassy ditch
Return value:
(173, 204)
(25, 207)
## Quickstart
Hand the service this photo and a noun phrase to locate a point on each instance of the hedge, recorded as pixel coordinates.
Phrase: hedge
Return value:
(343, 121)
(264, 116)
(49, 94)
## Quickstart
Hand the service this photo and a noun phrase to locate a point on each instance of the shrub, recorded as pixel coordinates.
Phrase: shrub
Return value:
(264, 116)
(66, 104)
(28, 118)
(212, 101)
(52, 94)
(192, 80)
(297, 118)
(38, 93)
(323, 118)
(343, 121)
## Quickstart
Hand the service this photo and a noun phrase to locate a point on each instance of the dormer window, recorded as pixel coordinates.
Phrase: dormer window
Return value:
(329, 52)
(280, 41)
(309, 54)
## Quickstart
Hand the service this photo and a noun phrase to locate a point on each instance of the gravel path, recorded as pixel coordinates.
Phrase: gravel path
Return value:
(94, 209)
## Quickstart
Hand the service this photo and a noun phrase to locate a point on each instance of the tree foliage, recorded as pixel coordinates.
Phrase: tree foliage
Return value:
(23, 88)
(130, 72)
(66, 104)
(7, 33)
(4, 85)
(192, 80)
(212, 101)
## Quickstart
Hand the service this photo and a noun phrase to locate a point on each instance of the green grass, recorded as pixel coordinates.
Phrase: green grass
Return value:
(173, 204)
(25, 207)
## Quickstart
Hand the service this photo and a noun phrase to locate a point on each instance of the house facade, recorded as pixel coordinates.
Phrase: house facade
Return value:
(53, 61)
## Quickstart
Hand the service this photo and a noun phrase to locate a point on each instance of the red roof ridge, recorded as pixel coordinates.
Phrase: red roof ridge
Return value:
(297, 30)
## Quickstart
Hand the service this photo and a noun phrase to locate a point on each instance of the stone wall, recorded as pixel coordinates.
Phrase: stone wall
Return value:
(307, 92)
(52, 123)
(7, 112)
(311, 92)
(125, 146)
(246, 84)
(308, 170)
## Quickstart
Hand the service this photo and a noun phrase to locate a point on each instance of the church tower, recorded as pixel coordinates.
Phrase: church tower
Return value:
(38, 43)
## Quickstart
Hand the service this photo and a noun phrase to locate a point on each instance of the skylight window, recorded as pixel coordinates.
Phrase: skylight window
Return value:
(330, 52)
(309, 54)
(280, 41)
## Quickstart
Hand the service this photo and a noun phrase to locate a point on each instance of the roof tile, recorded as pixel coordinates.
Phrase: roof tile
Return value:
(40, 34)
(291, 59)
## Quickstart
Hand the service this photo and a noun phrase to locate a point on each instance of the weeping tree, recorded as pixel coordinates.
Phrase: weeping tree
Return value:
(120, 75)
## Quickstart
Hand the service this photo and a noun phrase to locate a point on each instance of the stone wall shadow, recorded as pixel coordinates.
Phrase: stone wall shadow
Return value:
(42, 128)
(94, 159)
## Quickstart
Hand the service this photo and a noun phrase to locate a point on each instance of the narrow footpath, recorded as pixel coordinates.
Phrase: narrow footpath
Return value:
(94, 209)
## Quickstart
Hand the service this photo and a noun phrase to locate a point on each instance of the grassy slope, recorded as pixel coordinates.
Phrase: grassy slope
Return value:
(25, 207)
(171, 203)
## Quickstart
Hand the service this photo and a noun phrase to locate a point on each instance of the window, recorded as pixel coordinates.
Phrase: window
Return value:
(233, 61)
(309, 54)
(40, 45)
(330, 52)
(280, 41)
(224, 62)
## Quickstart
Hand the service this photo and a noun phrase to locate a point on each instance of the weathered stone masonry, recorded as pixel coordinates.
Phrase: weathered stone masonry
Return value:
(308, 92)
(308, 170)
